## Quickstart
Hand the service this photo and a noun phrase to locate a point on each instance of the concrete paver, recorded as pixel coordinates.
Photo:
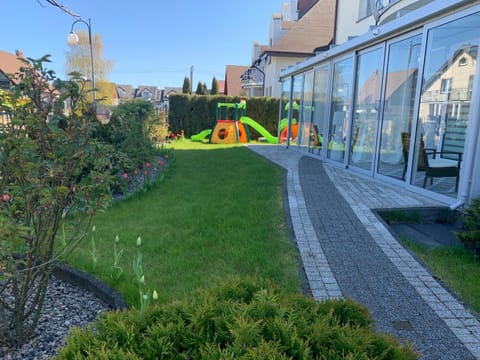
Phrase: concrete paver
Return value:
(348, 252)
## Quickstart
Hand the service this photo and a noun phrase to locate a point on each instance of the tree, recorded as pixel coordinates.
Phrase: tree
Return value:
(79, 60)
(214, 90)
(201, 89)
(54, 176)
(186, 86)
(106, 92)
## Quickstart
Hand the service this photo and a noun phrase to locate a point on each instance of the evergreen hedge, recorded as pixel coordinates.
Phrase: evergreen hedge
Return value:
(194, 113)
(241, 319)
(471, 236)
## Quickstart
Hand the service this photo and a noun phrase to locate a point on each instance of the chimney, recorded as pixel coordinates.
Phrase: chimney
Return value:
(19, 53)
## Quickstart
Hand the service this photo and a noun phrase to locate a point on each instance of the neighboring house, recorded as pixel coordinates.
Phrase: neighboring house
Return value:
(9, 65)
(221, 87)
(233, 82)
(149, 93)
(125, 93)
(399, 70)
(292, 40)
(253, 78)
(166, 92)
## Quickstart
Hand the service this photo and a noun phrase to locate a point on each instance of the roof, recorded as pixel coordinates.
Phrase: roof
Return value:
(313, 30)
(10, 63)
(233, 82)
(221, 86)
(167, 91)
(126, 91)
(153, 90)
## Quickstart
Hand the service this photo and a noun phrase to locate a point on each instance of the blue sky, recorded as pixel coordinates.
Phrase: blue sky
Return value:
(152, 42)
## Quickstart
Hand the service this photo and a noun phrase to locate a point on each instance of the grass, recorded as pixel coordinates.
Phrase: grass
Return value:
(456, 266)
(219, 213)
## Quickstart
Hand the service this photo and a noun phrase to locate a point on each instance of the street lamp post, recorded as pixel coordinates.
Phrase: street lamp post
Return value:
(72, 39)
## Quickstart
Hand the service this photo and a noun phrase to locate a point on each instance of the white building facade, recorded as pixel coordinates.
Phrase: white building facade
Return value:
(397, 99)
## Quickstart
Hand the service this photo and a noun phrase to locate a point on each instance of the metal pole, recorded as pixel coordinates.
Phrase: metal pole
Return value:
(89, 26)
(91, 59)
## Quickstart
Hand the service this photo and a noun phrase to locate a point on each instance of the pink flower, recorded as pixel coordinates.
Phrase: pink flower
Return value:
(147, 164)
(6, 197)
(145, 172)
(161, 162)
(125, 176)
(136, 171)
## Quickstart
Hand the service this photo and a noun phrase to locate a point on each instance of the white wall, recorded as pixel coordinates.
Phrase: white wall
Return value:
(273, 87)
(348, 22)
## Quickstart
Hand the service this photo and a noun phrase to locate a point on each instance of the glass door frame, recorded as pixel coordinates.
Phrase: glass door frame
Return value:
(416, 105)
(465, 187)
(301, 130)
(348, 122)
(323, 126)
(376, 145)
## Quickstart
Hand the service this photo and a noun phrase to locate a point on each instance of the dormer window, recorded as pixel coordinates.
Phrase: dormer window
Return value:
(463, 61)
(146, 95)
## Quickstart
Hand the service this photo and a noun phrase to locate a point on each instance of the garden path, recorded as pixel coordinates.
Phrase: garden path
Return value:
(348, 252)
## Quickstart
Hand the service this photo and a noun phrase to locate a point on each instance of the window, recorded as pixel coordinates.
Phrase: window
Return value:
(146, 95)
(445, 86)
(364, 9)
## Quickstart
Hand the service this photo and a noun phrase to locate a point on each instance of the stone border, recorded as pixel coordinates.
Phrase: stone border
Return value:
(426, 215)
(88, 282)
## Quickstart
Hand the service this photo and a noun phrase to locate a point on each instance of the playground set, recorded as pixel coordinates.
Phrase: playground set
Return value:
(231, 126)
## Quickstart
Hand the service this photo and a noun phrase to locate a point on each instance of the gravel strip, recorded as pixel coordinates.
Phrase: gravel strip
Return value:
(65, 306)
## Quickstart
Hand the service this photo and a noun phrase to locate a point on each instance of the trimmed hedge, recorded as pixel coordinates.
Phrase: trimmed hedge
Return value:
(242, 319)
(194, 113)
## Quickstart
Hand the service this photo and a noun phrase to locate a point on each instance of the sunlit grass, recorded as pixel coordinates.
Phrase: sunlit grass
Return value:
(456, 266)
(218, 213)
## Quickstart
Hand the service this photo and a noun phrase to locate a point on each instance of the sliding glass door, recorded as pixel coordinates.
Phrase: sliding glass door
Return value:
(399, 94)
(448, 77)
(306, 111)
(340, 109)
(366, 108)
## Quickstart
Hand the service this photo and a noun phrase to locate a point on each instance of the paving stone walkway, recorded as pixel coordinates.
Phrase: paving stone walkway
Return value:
(348, 252)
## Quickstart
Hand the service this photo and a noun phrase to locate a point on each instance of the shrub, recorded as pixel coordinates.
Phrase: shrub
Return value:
(471, 237)
(129, 132)
(238, 319)
(53, 175)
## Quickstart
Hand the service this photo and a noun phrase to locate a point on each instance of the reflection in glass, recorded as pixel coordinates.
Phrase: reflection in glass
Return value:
(296, 96)
(303, 135)
(367, 100)
(401, 79)
(340, 111)
(320, 95)
(285, 99)
(450, 68)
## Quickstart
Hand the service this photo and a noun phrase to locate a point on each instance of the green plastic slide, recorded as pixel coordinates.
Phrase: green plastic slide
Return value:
(261, 130)
(201, 135)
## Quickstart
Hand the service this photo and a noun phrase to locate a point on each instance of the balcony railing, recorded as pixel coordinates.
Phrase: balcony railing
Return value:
(460, 94)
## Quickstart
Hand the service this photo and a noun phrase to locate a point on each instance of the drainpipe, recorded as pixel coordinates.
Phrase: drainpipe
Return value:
(335, 24)
(470, 147)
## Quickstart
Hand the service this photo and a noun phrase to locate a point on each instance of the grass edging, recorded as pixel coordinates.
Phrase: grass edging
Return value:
(451, 266)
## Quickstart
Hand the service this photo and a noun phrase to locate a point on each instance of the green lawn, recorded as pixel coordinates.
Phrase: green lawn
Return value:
(218, 213)
(456, 266)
